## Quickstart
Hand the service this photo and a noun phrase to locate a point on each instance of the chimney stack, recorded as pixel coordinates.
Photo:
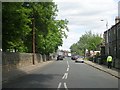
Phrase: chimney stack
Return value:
(117, 19)
(119, 8)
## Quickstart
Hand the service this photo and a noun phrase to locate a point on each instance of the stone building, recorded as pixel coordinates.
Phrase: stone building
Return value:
(112, 42)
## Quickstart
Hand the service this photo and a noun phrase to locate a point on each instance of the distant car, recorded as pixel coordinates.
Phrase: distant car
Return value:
(60, 57)
(79, 60)
(74, 57)
(81, 57)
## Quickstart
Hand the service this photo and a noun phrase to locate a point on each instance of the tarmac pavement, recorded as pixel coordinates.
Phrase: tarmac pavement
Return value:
(114, 72)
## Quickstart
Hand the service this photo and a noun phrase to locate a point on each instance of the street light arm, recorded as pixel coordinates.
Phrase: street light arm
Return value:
(106, 23)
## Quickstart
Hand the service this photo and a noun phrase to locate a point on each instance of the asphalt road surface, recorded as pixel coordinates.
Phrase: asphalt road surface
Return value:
(65, 74)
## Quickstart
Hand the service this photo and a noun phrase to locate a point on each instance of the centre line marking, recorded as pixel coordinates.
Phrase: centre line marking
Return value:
(68, 64)
(59, 85)
(67, 69)
(65, 86)
(65, 76)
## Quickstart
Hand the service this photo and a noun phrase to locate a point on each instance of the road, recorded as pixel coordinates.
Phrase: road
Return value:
(65, 74)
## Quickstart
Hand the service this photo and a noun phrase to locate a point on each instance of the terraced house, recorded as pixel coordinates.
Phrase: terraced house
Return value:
(112, 42)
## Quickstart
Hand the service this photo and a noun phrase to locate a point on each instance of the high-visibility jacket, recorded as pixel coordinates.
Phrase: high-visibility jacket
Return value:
(109, 59)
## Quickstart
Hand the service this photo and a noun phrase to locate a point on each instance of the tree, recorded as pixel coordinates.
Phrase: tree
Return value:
(75, 49)
(49, 31)
(53, 39)
(17, 27)
(88, 41)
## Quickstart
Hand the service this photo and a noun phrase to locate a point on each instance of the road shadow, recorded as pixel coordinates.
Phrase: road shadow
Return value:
(32, 81)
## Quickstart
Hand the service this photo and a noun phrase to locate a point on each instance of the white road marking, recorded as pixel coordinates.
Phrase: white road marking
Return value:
(59, 85)
(68, 64)
(65, 76)
(67, 69)
(65, 86)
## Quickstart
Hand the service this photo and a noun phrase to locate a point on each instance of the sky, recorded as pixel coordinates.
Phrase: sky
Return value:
(86, 15)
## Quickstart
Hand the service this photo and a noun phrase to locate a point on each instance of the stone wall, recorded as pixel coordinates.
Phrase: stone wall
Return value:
(17, 60)
(117, 63)
(12, 62)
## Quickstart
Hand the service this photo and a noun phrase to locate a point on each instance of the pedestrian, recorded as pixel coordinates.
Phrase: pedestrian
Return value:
(109, 61)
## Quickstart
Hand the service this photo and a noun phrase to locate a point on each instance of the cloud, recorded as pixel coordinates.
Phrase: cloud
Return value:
(70, 40)
(84, 16)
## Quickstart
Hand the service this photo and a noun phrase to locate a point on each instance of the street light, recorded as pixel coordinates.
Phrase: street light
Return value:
(107, 33)
(106, 24)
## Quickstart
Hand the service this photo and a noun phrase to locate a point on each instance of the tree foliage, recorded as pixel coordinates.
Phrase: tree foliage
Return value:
(88, 41)
(17, 26)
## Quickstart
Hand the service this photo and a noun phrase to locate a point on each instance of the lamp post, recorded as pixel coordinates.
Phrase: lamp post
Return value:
(106, 24)
(107, 34)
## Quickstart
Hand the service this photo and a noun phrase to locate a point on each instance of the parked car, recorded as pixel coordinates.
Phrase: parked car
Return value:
(82, 57)
(79, 60)
(60, 57)
(74, 57)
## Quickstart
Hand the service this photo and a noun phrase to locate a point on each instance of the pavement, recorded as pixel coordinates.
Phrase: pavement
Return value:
(114, 72)
(30, 68)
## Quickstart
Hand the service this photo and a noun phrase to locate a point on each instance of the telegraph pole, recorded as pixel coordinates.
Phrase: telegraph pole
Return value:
(28, 5)
(33, 38)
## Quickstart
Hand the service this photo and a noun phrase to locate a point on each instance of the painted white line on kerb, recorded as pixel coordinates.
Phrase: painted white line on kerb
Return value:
(59, 85)
(67, 69)
(65, 86)
(65, 76)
